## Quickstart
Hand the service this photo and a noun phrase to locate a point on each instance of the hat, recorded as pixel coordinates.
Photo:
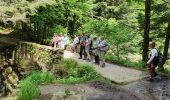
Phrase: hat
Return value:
(83, 33)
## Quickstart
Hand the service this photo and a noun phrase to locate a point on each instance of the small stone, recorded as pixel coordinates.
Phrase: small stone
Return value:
(8, 70)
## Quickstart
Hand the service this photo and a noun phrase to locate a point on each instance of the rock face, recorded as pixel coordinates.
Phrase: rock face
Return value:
(9, 76)
(23, 58)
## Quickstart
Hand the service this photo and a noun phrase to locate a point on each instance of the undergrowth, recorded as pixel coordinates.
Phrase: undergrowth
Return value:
(77, 74)
(124, 62)
(29, 86)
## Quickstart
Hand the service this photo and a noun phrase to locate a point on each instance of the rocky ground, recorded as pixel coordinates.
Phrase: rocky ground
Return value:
(94, 90)
(159, 89)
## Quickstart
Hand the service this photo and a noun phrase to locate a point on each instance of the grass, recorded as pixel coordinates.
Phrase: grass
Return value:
(127, 63)
(29, 86)
(136, 65)
(77, 74)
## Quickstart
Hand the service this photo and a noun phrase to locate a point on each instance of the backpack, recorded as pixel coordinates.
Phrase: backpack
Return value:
(160, 58)
(105, 48)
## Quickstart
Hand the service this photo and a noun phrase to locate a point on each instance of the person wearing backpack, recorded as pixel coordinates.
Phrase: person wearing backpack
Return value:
(153, 61)
(103, 47)
(87, 47)
(95, 50)
(82, 46)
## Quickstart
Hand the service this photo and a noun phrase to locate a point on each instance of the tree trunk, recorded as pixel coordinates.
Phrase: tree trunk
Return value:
(34, 36)
(146, 30)
(167, 40)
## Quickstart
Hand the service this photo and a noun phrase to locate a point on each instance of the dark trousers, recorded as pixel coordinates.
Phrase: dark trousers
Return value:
(96, 57)
(82, 52)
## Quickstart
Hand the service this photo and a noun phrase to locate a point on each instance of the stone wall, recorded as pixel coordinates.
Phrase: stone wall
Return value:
(18, 59)
(46, 57)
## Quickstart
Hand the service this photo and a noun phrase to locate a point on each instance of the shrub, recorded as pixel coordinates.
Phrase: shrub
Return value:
(68, 63)
(127, 63)
(29, 86)
(28, 91)
(80, 74)
(87, 71)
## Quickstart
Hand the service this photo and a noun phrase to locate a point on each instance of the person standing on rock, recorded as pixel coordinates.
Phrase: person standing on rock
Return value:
(82, 46)
(153, 61)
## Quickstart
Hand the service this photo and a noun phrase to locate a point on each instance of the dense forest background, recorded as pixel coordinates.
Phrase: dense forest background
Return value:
(129, 25)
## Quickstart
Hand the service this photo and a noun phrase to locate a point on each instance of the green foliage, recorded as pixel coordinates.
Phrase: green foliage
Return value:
(86, 71)
(110, 9)
(28, 91)
(28, 86)
(80, 74)
(60, 30)
(124, 62)
(68, 63)
(167, 70)
(116, 34)
(121, 21)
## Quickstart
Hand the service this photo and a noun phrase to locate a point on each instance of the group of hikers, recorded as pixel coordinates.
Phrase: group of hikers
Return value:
(94, 50)
(91, 48)
(60, 41)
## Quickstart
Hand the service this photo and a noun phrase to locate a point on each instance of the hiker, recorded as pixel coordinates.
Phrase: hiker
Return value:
(82, 46)
(87, 47)
(75, 43)
(153, 61)
(103, 47)
(55, 40)
(95, 50)
(64, 41)
(59, 38)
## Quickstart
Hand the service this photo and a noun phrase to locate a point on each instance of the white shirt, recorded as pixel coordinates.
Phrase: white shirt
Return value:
(153, 54)
(76, 40)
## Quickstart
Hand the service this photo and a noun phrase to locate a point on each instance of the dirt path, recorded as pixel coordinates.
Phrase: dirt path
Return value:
(113, 72)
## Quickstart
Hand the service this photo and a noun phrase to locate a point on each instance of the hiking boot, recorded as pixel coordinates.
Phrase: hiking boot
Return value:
(80, 58)
(96, 63)
(155, 74)
(88, 60)
(102, 65)
(84, 59)
(150, 79)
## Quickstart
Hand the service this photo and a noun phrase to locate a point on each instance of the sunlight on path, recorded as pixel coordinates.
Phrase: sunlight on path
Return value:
(113, 72)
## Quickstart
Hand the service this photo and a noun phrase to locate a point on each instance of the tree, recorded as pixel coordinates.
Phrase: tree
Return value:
(167, 40)
(161, 19)
(117, 34)
(146, 30)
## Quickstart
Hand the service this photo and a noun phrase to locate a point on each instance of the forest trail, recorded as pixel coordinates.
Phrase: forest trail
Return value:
(117, 74)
